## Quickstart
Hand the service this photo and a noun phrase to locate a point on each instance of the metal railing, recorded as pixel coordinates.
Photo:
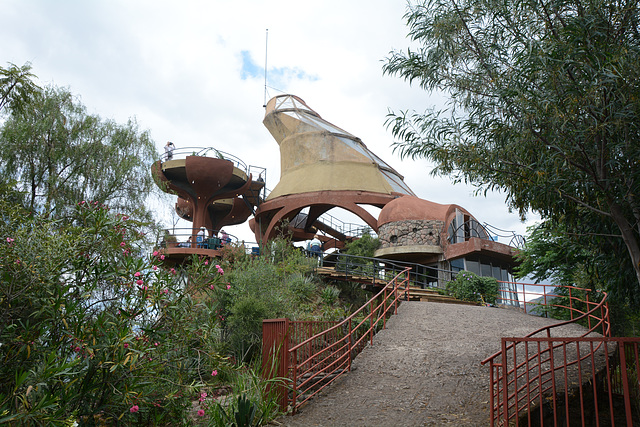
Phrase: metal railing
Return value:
(185, 238)
(311, 364)
(544, 380)
(183, 152)
(473, 228)
(359, 268)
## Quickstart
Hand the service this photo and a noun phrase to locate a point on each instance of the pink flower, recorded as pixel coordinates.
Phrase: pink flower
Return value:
(166, 291)
(156, 344)
(155, 267)
(134, 409)
(212, 287)
(162, 257)
(155, 253)
(173, 271)
(228, 286)
(220, 270)
(122, 244)
(201, 412)
(126, 345)
(214, 373)
(139, 282)
(206, 262)
(203, 396)
(9, 240)
(138, 274)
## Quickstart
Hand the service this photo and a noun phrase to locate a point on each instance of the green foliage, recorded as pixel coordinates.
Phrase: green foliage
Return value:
(468, 286)
(93, 330)
(543, 106)
(266, 287)
(16, 87)
(330, 295)
(58, 154)
(365, 246)
(253, 402)
(585, 262)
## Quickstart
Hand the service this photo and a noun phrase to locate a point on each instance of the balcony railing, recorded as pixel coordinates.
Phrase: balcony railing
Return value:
(185, 238)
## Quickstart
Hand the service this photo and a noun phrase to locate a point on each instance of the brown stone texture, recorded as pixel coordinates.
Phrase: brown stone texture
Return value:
(410, 233)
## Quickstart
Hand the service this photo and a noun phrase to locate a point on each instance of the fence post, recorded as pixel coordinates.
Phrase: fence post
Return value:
(350, 344)
(625, 382)
(570, 304)
(371, 322)
(275, 355)
(384, 309)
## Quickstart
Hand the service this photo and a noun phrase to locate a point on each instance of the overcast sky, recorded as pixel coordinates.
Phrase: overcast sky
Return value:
(193, 72)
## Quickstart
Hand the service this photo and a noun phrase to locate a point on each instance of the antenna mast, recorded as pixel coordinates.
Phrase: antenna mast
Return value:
(266, 48)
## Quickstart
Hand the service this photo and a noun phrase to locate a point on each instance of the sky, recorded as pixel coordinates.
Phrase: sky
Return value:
(193, 72)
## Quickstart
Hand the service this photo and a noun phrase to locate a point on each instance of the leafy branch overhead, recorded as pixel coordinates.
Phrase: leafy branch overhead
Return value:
(544, 105)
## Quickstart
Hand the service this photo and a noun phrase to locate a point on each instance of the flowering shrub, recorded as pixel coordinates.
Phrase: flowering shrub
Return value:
(468, 286)
(93, 330)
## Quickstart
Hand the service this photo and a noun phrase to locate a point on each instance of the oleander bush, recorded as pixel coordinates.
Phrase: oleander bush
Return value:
(95, 331)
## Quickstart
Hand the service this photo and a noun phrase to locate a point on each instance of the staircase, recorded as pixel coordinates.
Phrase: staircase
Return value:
(432, 295)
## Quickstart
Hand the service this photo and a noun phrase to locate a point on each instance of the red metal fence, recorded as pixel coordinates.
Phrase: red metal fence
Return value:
(311, 355)
(587, 380)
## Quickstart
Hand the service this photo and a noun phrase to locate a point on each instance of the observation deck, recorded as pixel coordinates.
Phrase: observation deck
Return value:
(215, 189)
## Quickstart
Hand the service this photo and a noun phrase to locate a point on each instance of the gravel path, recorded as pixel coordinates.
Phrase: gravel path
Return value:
(423, 370)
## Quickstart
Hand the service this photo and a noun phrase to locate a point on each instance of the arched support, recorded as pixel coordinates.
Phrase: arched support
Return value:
(286, 207)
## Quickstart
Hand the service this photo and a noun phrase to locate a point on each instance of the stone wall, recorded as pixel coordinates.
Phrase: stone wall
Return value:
(410, 233)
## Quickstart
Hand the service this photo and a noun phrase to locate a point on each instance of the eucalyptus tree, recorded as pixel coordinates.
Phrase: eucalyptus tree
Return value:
(59, 155)
(544, 105)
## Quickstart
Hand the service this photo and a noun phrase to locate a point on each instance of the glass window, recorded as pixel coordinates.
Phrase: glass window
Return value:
(472, 266)
(486, 270)
(457, 264)
(495, 272)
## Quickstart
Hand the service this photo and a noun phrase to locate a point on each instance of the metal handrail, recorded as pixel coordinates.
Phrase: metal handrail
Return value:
(490, 233)
(183, 152)
(182, 236)
(422, 276)
(339, 344)
(507, 384)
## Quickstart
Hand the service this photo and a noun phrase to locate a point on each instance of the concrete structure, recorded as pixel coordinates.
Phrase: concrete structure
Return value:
(322, 167)
(325, 167)
(214, 190)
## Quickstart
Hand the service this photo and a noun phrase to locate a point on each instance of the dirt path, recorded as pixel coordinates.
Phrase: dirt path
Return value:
(423, 370)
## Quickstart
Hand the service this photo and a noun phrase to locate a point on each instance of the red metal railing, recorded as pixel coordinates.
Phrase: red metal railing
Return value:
(311, 355)
(545, 380)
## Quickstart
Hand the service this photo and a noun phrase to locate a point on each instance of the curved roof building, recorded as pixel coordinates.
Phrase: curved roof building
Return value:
(316, 155)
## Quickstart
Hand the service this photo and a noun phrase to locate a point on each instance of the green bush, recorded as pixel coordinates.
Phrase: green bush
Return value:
(468, 286)
(94, 331)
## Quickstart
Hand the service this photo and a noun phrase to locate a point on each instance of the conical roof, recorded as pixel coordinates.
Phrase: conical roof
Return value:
(316, 155)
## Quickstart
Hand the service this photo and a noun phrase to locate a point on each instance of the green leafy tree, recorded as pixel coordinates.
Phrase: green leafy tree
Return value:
(544, 106)
(16, 87)
(585, 262)
(94, 332)
(58, 155)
